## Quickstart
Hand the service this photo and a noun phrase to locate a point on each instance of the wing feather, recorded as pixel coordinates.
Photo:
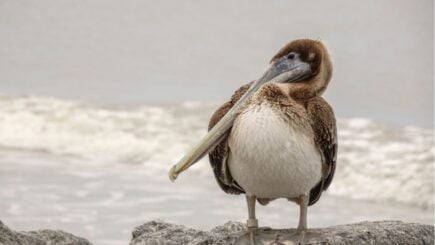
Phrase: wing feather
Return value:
(219, 155)
(325, 136)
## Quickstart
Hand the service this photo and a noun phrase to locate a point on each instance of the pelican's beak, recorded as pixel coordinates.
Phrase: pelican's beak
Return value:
(283, 70)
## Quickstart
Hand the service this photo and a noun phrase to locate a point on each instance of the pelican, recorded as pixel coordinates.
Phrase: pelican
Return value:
(276, 137)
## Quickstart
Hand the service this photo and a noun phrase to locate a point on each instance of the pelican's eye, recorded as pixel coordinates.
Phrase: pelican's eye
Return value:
(291, 55)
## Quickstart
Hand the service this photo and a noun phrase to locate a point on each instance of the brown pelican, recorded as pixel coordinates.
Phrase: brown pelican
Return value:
(276, 136)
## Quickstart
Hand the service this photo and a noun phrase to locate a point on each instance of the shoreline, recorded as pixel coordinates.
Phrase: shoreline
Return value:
(160, 232)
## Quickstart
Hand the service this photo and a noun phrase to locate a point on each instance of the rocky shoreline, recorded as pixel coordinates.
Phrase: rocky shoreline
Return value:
(40, 237)
(159, 232)
(377, 232)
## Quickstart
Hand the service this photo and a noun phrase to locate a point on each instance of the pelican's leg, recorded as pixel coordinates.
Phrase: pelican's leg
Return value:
(302, 226)
(302, 234)
(303, 207)
(252, 222)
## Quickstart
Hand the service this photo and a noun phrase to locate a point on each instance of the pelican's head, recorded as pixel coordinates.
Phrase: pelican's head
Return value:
(302, 67)
(311, 54)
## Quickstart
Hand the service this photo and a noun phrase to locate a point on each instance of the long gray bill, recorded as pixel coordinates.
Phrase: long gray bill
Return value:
(216, 134)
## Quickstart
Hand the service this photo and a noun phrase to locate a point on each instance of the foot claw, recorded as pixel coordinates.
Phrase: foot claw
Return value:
(252, 237)
(301, 237)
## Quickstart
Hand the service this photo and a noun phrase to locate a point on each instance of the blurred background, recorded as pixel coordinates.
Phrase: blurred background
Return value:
(99, 98)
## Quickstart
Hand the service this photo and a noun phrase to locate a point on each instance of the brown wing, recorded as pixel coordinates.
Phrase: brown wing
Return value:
(218, 157)
(325, 135)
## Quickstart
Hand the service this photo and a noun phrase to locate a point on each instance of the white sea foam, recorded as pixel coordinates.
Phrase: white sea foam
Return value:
(375, 161)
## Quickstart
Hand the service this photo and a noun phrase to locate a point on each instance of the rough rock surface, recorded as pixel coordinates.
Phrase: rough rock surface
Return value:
(379, 232)
(159, 232)
(41, 237)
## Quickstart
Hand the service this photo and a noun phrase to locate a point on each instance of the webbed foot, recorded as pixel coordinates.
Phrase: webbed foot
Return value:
(280, 237)
(248, 238)
(302, 237)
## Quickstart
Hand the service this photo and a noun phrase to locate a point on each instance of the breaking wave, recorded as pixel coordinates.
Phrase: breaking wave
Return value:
(375, 161)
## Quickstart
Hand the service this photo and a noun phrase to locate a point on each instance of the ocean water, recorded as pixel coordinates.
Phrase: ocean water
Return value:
(98, 171)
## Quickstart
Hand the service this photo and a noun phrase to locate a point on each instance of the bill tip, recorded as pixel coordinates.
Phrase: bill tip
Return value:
(172, 174)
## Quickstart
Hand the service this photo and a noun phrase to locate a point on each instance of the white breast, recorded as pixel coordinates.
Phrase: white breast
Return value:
(271, 158)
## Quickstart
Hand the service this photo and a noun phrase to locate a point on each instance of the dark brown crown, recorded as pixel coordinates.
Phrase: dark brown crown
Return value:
(310, 51)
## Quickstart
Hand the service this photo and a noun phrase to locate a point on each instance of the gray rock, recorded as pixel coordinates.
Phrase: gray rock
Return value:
(379, 232)
(40, 237)
(159, 232)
